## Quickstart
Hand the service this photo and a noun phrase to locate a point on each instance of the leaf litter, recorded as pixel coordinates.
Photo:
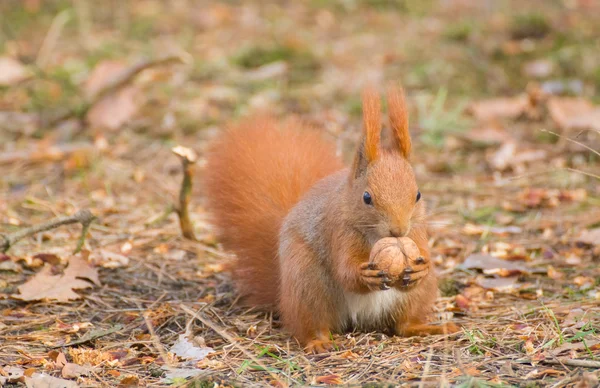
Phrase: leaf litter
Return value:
(513, 231)
(47, 286)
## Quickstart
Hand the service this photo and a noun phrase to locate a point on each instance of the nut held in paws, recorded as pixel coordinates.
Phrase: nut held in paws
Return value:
(394, 255)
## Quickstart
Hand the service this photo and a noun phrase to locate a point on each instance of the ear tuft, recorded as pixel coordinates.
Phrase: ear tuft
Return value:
(398, 114)
(371, 103)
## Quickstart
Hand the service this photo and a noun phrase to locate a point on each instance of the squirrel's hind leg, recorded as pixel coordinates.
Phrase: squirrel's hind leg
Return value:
(412, 317)
(306, 303)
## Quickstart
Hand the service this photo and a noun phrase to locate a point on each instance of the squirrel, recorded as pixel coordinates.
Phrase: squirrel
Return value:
(302, 226)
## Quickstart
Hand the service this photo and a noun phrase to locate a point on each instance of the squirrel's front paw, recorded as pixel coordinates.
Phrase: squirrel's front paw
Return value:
(413, 273)
(374, 278)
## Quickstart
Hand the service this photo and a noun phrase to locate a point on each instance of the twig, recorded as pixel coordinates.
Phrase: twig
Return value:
(188, 159)
(573, 141)
(574, 362)
(43, 154)
(231, 340)
(156, 340)
(122, 79)
(84, 217)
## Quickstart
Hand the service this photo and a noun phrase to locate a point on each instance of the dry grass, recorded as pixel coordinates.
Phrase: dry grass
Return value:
(544, 331)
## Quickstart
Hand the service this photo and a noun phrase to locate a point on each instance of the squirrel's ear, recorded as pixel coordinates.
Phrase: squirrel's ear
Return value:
(398, 114)
(369, 148)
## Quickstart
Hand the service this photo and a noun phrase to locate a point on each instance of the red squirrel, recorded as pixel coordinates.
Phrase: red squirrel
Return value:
(302, 226)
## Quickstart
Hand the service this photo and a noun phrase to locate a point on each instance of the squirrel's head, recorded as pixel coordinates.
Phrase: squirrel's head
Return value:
(384, 196)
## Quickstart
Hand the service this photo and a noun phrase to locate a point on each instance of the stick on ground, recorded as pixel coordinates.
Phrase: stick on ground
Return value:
(188, 159)
(84, 217)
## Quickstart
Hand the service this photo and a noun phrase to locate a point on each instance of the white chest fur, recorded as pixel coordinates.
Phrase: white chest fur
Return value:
(366, 309)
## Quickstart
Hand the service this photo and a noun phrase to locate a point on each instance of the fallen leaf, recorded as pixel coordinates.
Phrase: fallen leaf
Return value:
(504, 284)
(107, 259)
(46, 286)
(509, 155)
(42, 380)
(491, 265)
(590, 237)
(11, 71)
(499, 108)
(584, 282)
(535, 374)
(554, 274)
(187, 350)
(11, 374)
(587, 380)
(588, 344)
(129, 381)
(487, 135)
(329, 380)
(478, 230)
(72, 371)
(573, 113)
(116, 108)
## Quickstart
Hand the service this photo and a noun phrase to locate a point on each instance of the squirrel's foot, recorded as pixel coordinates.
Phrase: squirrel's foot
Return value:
(373, 278)
(319, 345)
(423, 329)
(413, 274)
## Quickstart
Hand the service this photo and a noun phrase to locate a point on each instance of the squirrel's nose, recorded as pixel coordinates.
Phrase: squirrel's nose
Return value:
(397, 232)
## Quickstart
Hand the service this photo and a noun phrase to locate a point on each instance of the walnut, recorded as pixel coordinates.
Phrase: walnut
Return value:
(396, 255)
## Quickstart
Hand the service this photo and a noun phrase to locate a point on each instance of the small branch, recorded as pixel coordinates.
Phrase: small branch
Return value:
(573, 141)
(84, 217)
(574, 363)
(122, 79)
(188, 158)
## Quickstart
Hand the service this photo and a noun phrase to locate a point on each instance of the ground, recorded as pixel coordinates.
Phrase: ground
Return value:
(510, 176)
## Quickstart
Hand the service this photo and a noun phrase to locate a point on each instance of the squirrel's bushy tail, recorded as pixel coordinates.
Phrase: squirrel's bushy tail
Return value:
(255, 173)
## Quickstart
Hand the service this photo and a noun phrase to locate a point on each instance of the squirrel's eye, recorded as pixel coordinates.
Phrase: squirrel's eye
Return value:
(418, 196)
(367, 198)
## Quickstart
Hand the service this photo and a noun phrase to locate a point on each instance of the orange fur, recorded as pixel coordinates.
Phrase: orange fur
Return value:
(398, 115)
(302, 242)
(372, 123)
(255, 173)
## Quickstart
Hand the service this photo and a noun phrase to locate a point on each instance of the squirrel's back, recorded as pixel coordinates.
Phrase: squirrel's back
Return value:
(255, 173)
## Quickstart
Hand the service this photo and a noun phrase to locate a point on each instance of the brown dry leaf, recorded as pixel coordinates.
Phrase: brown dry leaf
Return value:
(591, 236)
(11, 71)
(107, 259)
(329, 380)
(129, 381)
(508, 155)
(72, 371)
(554, 274)
(42, 380)
(487, 135)
(574, 113)
(499, 108)
(505, 284)
(45, 285)
(589, 344)
(491, 265)
(11, 374)
(115, 109)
